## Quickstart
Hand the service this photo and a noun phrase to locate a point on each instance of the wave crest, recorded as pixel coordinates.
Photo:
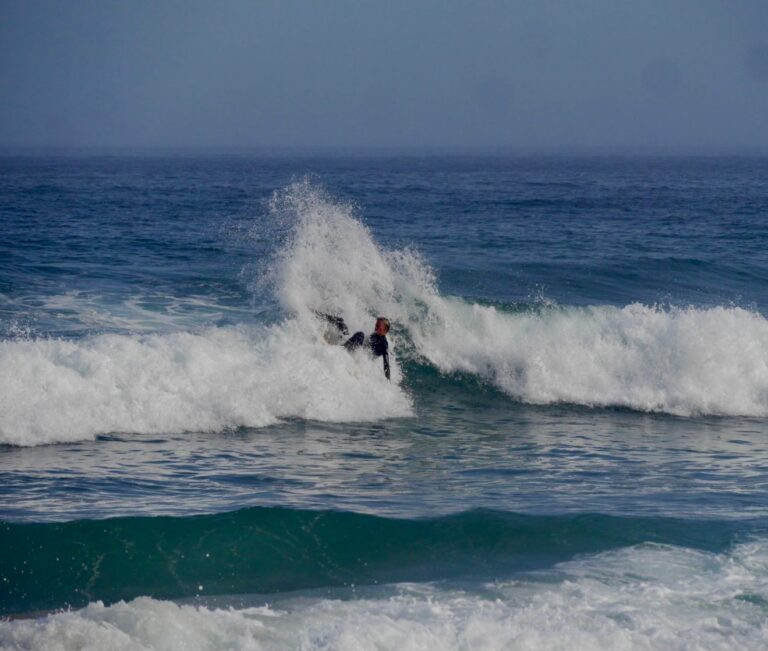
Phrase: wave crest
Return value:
(679, 361)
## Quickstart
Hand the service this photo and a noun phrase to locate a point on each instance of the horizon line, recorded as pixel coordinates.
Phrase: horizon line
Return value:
(385, 150)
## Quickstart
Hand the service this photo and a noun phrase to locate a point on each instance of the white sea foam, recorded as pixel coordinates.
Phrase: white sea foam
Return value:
(644, 597)
(57, 390)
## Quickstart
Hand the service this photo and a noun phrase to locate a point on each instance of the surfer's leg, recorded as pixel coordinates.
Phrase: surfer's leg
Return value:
(355, 341)
(336, 321)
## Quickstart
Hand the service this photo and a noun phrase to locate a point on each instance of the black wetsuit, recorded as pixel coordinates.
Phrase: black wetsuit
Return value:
(378, 344)
(380, 348)
(336, 321)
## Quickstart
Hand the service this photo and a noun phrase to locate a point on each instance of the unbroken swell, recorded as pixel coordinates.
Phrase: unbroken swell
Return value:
(260, 550)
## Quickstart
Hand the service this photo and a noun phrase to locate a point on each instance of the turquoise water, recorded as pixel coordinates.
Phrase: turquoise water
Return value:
(572, 449)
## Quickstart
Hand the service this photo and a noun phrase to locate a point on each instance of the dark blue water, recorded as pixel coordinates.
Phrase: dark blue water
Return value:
(572, 338)
(577, 231)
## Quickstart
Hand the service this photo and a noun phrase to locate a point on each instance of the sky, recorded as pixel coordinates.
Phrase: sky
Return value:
(544, 74)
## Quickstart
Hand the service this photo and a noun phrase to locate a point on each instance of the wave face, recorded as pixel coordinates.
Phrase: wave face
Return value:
(261, 550)
(683, 361)
(647, 596)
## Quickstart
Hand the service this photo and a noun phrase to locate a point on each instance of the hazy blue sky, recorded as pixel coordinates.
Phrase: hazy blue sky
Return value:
(539, 73)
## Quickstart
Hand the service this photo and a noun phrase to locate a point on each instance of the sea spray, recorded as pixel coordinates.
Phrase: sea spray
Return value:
(329, 261)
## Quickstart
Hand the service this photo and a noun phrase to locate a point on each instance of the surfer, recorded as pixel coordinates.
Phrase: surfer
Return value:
(377, 340)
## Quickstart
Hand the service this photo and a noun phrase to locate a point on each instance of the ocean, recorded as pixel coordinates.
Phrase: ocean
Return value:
(572, 452)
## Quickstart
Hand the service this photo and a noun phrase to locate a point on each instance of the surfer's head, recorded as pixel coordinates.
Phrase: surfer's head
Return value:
(382, 326)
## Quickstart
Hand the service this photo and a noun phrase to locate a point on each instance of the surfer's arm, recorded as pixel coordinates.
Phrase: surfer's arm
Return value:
(386, 364)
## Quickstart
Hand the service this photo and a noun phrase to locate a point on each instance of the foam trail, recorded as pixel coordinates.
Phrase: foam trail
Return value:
(644, 597)
(58, 390)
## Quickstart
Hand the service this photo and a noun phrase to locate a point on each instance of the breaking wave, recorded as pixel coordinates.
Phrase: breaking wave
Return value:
(683, 361)
(58, 390)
